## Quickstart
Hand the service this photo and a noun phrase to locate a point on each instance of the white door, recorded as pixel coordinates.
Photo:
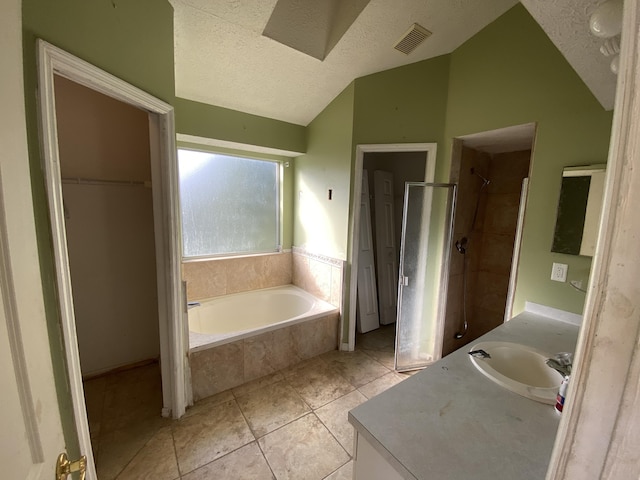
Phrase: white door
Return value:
(367, 318)
(386, 258)
(30, 429)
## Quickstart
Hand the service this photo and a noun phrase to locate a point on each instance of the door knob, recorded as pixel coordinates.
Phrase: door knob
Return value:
(64, 467)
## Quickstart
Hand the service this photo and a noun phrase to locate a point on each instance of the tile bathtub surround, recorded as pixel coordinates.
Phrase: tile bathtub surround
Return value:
(319, 275)
(255, 357)
(291, 424)
(224, 276)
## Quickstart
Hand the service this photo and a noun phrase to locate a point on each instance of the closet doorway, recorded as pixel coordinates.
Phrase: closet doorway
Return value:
(59, 67)
(383, 171)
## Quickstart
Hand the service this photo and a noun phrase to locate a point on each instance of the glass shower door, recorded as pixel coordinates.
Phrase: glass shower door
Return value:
(427, 224)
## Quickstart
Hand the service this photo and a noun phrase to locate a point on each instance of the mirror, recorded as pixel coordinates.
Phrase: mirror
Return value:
(579, 208)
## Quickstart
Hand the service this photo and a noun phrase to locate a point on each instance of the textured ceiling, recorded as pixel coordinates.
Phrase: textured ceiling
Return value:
(222, 58)
(566, 23)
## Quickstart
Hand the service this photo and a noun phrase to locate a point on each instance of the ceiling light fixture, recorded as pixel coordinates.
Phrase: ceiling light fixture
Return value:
(606, 22)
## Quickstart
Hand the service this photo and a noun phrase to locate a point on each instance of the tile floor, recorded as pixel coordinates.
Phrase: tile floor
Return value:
(289, 425)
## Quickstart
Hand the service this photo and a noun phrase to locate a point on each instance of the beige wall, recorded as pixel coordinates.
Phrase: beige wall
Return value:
(109, 227)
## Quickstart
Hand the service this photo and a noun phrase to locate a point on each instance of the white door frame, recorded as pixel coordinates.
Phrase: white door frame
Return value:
(430, 172)
(598, 433)
(52, 60)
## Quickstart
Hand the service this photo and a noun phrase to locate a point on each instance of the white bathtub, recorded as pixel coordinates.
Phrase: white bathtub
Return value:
(225, 319)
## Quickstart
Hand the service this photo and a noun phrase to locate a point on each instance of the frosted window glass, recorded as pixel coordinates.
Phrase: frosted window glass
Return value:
(229, 204)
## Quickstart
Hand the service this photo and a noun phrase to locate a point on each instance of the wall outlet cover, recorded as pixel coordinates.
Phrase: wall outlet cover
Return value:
(559, 272)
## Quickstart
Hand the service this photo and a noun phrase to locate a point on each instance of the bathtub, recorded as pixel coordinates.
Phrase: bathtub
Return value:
(224, 319)
(238, 338)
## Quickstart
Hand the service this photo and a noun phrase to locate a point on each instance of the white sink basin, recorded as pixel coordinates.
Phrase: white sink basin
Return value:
(520, 369)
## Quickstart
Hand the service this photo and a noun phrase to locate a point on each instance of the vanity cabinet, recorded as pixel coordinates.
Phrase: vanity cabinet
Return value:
(368, 464)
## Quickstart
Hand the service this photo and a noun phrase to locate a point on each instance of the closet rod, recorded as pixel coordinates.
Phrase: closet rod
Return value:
(120, 183)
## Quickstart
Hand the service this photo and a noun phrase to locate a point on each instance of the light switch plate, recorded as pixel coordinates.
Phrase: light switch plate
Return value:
(559, 272)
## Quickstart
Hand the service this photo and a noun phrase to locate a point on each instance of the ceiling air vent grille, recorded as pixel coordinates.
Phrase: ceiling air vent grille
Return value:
(410, 40)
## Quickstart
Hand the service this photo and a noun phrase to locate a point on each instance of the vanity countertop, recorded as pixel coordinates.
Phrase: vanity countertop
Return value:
(451, 422)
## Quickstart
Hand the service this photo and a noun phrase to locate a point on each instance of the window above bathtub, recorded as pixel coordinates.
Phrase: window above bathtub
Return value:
(230, 205)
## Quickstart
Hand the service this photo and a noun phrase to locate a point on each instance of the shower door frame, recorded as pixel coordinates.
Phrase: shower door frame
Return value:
(430, 150)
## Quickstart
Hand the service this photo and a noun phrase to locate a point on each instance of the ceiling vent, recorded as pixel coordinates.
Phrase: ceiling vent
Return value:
(410, 40)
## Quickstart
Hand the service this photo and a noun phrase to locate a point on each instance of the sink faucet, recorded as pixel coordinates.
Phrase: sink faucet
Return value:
(561, 362)
(479, 354)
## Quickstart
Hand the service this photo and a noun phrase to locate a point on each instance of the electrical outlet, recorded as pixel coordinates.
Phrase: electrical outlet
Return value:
(559, 272)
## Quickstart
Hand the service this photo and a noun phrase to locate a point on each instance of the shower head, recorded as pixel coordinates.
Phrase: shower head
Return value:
(484, 180)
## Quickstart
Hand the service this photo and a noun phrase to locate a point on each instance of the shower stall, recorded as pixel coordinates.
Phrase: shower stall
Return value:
(486, 217)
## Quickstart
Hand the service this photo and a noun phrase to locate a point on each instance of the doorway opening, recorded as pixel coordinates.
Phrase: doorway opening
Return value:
(57, 66)
(491, 170)
(381, 172)
(105, 166)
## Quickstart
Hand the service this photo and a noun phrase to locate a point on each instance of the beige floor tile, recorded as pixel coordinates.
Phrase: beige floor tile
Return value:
(94, 391)
(202, 406)
(335, 417)
(246, 463)
(257, 384)
(343, 473)
(319, 384)
(131, 396)
(385, 357)
(119, 447)
(357, 367)
(303, 449)
(199, 439)
(379, 339)
(303, 365)
(381, 384)
(271, 407)
(156, 460)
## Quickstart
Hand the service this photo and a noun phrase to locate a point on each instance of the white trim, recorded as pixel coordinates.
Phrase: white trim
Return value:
(554, 313)
(52, 60)
(213, 142)
(598, 433)
(354, 227)
(517, 246)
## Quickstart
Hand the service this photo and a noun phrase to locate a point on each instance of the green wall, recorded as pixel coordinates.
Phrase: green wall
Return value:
(132, 40)
(320, 224)
(509, 74)
(210, 121)
(403, 105)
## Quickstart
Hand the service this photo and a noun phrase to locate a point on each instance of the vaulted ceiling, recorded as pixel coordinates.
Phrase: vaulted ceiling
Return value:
(240, 54)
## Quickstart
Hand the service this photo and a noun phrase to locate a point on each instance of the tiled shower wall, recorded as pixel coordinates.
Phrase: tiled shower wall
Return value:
(490, 242)
(224, 276)
(499, 225)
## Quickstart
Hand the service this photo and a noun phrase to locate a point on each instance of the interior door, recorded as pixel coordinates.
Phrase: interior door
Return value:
(427, 226)
(30, 423)
(386, 253)
(367, 317)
